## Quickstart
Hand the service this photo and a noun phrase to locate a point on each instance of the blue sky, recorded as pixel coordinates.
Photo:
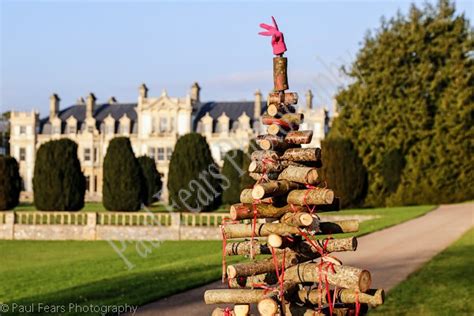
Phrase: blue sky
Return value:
(111, 47)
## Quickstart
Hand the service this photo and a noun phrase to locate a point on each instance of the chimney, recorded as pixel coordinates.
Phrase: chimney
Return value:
(309, 100)
(90, 105)
(53, 105)
(80, 101)
(195, 93)
(257, 108)
(143, 91)
(112, 100)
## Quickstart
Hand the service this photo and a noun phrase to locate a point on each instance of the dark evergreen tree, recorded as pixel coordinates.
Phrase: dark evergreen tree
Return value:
(343, 171)
(10, 183)
(122, 187)
(58, 182)
(413, 92)
(151, 180)
(194, 180)
(233, 171)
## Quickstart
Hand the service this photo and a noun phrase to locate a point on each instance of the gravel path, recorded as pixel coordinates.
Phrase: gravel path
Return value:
(390, 255)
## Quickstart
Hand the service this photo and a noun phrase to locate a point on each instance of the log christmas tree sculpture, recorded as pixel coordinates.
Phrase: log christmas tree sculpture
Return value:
(291, 271)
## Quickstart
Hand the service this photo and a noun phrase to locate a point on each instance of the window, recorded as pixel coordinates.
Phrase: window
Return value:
(169, 152)
(163, 124)
(22, 130)
(88, 182)
(95, 154)
(95, 183)
(71, 129)
(161, 154)
(90, 129)
(22, 154)
(87, 154)
(124, 128)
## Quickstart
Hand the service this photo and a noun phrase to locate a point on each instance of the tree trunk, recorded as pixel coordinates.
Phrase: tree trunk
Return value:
(346, 296)
(299, 137)
(243, 248)
(297, 219)
(338, 227)
(273, 188)
(312, 196)
(287, 98)
(246, 211)
(262, 266)
(272, 142)
(280, 77)
(261, 230)
(280, 109)
(302, 154)
(264, 166)
(305, 175)
(265, 154)
(267, 176)
(344, 276)
(253, 281)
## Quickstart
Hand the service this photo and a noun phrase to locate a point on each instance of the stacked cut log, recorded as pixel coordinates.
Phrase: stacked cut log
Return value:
(290, 270)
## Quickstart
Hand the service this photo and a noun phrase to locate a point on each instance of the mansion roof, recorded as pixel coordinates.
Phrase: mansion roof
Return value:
(233, 110)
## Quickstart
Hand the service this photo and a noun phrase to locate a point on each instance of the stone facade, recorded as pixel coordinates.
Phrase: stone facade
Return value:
(153, 125)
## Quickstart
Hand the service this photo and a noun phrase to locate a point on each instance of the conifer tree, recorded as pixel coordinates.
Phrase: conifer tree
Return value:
(10, 183)
(233, 171)
(151, 180)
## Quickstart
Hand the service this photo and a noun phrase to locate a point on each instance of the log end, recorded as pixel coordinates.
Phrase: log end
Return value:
(312, 177)
(365, 280)
(274, 241)
(231, 272)
(329, 197)
(267, 307)
(273, 129)
(241, 309)
(265, 144)
(272, 110)
(306, 219)
(258, 192)
(253, 166)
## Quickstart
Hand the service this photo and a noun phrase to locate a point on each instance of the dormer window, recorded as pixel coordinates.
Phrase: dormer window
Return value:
(90, 129)
(124, 128)
(71, 129)
(56, 129)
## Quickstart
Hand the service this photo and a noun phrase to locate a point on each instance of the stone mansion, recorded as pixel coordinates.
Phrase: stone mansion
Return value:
(153, 125)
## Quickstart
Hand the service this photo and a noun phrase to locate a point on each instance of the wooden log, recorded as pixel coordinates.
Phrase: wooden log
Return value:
(273, 142)
(222, 312)
(264, 166)
(277, 98)
(274, 188)
(265, 176)
(241, 309)
(286, 120)
(244, 248)
(262, 266)
(302, 154)
(338, 227)
(374, 297)
(277, 241)
(265, 154)
(332, 245)
(275, 129)
(234, 296)
(261, 230)
(280, 109)
(297, 219)
(299, 137)
(342, 276)
(253, 281)
(280, 77)
(310, 196)
(267, 307)
(246, 211)
(305, 175)
(246, 197)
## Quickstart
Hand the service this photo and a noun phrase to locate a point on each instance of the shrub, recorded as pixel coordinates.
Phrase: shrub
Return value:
(151, 180)
(194, 180)
(343, 171)
(233, 171)
(10, 183)
(58, 182)
(122, 188)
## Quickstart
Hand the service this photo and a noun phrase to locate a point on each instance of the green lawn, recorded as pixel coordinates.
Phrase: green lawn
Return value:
(88, 272)
(444, 286)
